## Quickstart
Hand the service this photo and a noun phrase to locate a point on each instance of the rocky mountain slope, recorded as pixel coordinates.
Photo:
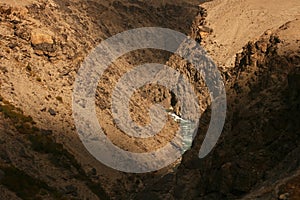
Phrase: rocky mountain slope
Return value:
(42, 46)
(260, 141)
(43, 43)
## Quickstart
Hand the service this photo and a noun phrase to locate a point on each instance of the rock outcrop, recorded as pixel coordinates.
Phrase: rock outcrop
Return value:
(256, 157)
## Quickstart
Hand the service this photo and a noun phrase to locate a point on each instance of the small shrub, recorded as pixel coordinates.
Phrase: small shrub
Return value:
(28, 68)
(58, 98)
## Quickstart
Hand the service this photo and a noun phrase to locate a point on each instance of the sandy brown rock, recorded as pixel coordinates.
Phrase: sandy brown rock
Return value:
(41, 37)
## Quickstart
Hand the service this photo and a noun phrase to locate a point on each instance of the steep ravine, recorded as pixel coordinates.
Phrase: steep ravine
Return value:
(260, 141)
(41, 157)
(42, 46)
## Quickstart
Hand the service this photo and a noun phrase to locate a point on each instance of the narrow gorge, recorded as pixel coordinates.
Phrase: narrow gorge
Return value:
(255, 46)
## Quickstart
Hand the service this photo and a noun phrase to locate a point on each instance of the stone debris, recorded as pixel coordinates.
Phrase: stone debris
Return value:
(41, 37)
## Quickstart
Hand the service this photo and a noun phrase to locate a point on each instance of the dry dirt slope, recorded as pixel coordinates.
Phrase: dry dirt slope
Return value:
(236, 22)
(42, 46)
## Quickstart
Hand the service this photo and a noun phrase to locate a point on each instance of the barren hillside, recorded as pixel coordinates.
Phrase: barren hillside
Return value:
(256, 46)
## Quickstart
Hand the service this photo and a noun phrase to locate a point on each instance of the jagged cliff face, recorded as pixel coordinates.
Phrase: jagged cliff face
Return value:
(259, 145)
(257, 154)
(43, 44)
(256, 157)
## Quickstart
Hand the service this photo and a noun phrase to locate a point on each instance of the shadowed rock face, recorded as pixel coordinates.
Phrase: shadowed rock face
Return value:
(259, 144)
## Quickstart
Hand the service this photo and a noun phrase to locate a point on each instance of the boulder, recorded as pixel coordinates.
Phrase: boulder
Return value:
(39, 37)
